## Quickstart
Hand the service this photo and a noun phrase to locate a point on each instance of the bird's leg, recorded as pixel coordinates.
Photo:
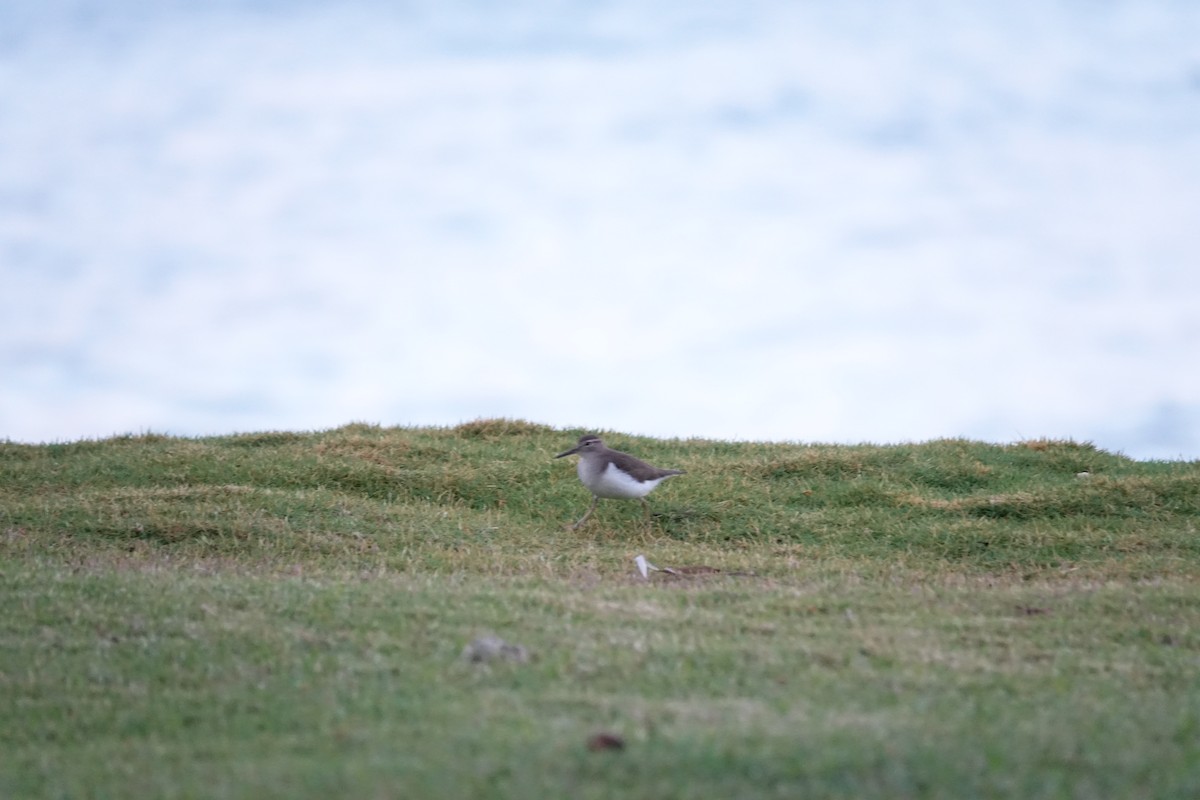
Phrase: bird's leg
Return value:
(583, 519)
(646, 509)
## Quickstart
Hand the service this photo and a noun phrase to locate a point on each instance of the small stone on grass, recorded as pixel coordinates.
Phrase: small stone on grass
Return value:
(605, 741)
(492, 648)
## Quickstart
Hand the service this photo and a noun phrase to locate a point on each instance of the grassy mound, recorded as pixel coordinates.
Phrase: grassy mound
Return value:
(432, 499)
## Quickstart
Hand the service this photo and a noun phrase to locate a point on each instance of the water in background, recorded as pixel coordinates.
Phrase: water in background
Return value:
(761, 220)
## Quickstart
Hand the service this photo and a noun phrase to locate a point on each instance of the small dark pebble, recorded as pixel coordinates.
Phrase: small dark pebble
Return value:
(605, 741)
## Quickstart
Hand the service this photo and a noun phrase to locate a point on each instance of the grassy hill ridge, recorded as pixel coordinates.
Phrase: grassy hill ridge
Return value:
(1031, 505)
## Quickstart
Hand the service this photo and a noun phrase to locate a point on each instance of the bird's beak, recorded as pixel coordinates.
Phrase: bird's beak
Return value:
(570, 452)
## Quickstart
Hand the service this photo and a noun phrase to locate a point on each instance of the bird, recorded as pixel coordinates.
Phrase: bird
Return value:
(613, 475)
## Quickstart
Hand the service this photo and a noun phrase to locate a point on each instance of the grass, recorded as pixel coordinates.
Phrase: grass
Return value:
(284, 615)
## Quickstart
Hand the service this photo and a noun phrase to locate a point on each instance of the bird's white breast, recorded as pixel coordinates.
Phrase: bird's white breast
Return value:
(605, 480)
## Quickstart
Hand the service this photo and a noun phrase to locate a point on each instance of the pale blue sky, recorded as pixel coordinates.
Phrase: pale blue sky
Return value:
(812, 222)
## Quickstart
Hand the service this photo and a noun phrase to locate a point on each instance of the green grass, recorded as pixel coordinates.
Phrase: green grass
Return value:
(284, 615)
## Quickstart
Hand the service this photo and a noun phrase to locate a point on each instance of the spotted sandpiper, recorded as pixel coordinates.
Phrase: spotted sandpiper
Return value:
(614, 475)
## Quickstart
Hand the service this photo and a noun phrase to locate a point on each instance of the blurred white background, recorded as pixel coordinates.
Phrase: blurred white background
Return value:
(803, 221)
